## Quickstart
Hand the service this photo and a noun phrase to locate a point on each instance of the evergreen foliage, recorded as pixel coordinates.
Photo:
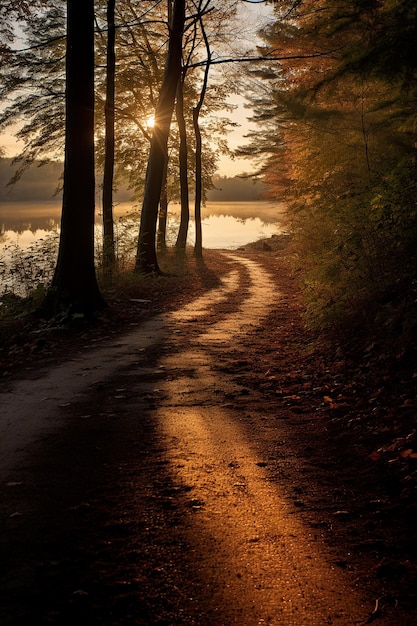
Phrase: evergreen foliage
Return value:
(340, 121)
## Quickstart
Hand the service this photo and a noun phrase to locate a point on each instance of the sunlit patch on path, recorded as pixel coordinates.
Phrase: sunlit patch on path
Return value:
(254, 307)
(203, 305)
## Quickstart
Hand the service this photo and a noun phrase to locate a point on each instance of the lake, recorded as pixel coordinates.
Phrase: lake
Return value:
(27, 228)
(225, 224)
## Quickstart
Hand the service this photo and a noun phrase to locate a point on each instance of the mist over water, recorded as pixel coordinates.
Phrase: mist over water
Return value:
(225, 224)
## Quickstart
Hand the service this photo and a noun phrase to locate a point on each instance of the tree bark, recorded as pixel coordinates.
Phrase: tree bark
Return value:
(74, 285)
(146, 258)
(109, 257)
(183, 166)
(198, 246)
(163, 211)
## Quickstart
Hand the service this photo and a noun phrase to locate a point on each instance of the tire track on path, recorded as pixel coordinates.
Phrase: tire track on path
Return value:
(259, 563)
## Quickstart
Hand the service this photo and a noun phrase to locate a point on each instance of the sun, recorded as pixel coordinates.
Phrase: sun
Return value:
(150, 122)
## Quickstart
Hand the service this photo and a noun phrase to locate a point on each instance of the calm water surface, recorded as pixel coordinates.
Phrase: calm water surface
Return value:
(225, 224)
(29, 234)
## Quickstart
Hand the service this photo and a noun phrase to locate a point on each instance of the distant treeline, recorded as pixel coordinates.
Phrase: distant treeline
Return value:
(235, 189)
(36, 184)
(42, 183)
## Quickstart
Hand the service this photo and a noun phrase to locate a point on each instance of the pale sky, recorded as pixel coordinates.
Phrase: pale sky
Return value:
(227, 166)
(252, 17)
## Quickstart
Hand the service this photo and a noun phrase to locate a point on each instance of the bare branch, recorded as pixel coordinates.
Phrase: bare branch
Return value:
(259, 59)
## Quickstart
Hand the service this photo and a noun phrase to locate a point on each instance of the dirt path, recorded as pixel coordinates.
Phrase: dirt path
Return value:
(143, 483)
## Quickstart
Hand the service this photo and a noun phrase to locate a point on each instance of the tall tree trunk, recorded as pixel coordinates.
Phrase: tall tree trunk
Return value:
(163, 211)
(74, 285)
(109, 258)
(146, 259)
(198, 246)
(183, 163)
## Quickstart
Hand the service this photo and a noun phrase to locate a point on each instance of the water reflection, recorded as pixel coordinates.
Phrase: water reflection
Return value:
(21, 217)
(225, 231)
(225, 224)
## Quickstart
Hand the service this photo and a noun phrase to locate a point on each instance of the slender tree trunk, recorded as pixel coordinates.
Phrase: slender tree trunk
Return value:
(163, 211)
(74, 285)
(146, 258)
(109, 258)
(183, 164)
(198, 246)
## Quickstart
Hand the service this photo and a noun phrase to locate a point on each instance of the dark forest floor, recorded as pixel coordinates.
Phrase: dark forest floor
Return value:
(350, 421)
